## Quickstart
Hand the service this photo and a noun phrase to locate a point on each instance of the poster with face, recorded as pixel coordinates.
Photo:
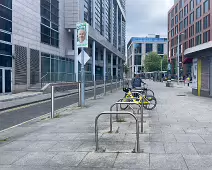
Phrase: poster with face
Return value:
(194, 74)
(82, 35)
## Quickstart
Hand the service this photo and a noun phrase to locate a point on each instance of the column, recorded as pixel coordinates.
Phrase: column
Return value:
(117, 63)
(104, 68)
(75, 56)
(104, 22)
(133, 59)
(94, 60)
(111, 64)
(121, 35)
(117, 25)
(28, 67)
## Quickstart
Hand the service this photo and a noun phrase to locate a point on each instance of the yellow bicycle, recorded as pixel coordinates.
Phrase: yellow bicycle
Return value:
(149, 102)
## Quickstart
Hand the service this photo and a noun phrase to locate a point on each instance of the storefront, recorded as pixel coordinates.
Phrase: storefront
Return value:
(201, 59)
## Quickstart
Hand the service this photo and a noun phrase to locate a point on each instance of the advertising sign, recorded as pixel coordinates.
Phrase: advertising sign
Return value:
(82, 35)
(194, 74)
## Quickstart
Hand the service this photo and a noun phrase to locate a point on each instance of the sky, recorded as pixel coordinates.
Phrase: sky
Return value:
(147, 17)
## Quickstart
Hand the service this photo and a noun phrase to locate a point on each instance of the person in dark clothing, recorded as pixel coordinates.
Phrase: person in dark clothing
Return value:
(136, 81)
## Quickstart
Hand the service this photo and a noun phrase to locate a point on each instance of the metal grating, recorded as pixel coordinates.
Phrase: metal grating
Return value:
(20, 65)
(34, 66)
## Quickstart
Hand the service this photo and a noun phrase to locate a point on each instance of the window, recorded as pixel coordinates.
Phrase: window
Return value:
(172, 33)
(181, 3)
(191, 5)
(176, 9)
(206, 22)
(191, 17)
(185, 45)
(7, 3)
(206, 36)
(191, 42)
(185, 10)
(5, 49)
(181, 15)
(172, 42)
(191, 31)
(186, 22)
(199, 39)
(160, 48)
(137, 60)
(148, 48)
(198, 12)
(206, 6)
(198, 26)
(197, 2)
(172, 13)
(186, 34)
(50, 22)
(5, 12)
(176, 19)
(137, 48)
(5, 25)
(5, 37)
(176, 29)
(172, 22)
(181, 26)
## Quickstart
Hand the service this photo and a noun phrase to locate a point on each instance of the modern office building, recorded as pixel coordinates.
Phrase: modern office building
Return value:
(139, 47)
(38, 41)
(190, 20)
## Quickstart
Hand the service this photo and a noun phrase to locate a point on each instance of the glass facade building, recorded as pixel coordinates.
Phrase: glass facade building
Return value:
(5, 46)
(138, 48)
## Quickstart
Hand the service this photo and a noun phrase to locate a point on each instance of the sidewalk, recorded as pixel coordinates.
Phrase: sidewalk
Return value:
(177, 135)
(15, 100)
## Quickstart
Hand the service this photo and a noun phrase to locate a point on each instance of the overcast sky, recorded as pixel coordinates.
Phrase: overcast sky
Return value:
(147, 17)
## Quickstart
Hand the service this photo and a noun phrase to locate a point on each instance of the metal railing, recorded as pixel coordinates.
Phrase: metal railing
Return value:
(114, 113)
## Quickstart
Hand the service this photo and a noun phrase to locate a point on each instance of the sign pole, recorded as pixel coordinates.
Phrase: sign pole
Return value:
(82, 79)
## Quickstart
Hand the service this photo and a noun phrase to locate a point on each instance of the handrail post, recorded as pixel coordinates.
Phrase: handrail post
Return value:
(137, 137)
(94, 90)
(79, 91)
(117, 116)
(52, 101)
(142, 112)
(96, 133)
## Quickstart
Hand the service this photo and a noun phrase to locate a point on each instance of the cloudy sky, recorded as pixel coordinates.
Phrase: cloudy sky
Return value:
(147, 17)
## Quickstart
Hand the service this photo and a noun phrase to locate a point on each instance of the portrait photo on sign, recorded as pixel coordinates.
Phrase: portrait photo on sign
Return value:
(82, 35)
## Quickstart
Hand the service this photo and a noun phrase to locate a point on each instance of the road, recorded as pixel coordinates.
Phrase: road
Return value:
(24, 113)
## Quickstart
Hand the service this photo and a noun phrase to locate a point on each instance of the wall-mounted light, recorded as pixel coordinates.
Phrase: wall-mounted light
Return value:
(69, 30)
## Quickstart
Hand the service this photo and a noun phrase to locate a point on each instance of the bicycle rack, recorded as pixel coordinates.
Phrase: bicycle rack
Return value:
(113, 113)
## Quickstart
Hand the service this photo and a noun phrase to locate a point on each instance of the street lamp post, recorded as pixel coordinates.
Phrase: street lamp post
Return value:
(178, 57)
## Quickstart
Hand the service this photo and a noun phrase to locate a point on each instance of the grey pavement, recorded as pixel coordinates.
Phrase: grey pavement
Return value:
(177, 135)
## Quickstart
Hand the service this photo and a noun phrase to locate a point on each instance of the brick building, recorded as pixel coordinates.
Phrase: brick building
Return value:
(190, 20)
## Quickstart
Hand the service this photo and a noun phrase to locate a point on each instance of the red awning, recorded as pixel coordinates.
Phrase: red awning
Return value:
(187, 60)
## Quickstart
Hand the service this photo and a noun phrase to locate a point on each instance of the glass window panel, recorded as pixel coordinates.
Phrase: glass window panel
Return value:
(45, 13)
(54, 10)
(137, 48)
(5, 61)
(5, 25)
(54, 34)
(5, 12)
(54, 18)
(5, 37)
(54, 42)
(55, 3)
(45, 39)
(7, 3)
(198, 12)
(5, 49)
(206, 6)
(45, 21)
(45, 30)
(45, 65)
(148, 48)
(54, 26)
(45, 4)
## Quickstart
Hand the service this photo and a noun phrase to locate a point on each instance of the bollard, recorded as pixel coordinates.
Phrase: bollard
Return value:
(94, 90)
(104, 87)
(52, 101)
(116, 85)
(79, 91)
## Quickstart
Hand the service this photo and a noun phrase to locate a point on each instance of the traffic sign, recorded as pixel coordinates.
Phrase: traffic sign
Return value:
(86, 57)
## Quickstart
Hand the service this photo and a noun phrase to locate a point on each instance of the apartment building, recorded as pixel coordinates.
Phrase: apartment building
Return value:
(38, 37)
(190, 20)
(139, 47)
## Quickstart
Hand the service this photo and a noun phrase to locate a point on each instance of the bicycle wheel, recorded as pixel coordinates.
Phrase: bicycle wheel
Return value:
(152, 103)
(150, 93)
(124, 106)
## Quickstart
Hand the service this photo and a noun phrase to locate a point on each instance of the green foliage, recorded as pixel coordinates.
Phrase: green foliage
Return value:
(152, 62)
(165, 63)
(126, 69)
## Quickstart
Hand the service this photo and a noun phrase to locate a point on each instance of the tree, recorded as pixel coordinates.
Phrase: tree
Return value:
(152, 62)
(165, 63)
